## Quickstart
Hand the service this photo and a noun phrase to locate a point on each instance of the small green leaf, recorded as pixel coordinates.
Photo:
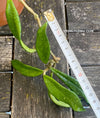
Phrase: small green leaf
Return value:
(14, 24)
(71, 82)
(63, 94)
(42, 44)
(57, 102)
(26, 69)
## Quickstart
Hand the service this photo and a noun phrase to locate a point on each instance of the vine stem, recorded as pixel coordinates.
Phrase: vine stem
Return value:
(44, 73)
(32, 12)
(56, 59)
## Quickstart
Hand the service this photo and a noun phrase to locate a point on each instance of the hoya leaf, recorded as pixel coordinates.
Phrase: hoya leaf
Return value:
(71, 79)
(26, 69)
(71, 82)
(14, 24)
(57, 102)
(63, 94)
(13, 19)
(42, 44)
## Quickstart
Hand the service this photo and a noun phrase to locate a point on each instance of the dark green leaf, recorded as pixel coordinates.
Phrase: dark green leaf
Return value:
(63, 94)
(14, 23)
(42, 44)
(71, 79)
(71, 82)
(57, 102)
(26, 69)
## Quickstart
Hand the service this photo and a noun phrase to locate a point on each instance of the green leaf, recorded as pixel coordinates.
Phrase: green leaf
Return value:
(71, 82)
(13, 19)
(71, 79)
(63, 94)
(14, 24)
(42, 44)
(26, 69)
(57, 102)
(27, 48)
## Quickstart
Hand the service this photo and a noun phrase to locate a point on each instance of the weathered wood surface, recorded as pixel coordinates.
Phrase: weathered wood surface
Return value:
(86, 47)
(83, 15)
(5, 89)
(5, 78)
(30, 97)
(5, 53)
(4, 116)
(4, 31)
(93, 74)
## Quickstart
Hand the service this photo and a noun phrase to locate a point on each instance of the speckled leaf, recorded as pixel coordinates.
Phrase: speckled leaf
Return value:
(71, 82)
(42, 44)
(71, 79)
(14, 23)
(63, 94)
(26, 69)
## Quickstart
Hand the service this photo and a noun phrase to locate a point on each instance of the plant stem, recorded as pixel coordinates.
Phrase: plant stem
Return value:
(44, 73)
(32, 12)
(56, 59)
(51, 63)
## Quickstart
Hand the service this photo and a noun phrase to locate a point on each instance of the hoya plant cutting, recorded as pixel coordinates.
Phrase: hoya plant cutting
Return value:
(68, 95)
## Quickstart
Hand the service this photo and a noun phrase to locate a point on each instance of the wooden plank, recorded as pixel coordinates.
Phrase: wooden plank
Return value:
(4, 116)
(86, 47)
(93, 74)
(5, 88)
(4, 30)
(5, 53)
(30, 98)
(83, 15)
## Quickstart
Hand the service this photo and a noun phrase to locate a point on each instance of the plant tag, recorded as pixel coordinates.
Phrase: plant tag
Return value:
(73, 62)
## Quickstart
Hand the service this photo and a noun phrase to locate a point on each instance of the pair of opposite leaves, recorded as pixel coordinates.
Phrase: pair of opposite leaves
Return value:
(59, 94)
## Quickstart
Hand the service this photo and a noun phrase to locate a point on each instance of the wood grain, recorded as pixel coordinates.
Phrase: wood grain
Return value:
(30, 96)
(4, 31)
(5, 53)
(4, 116)
(83, 15)
(86, 47)
(5, 88)
(93, 74)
